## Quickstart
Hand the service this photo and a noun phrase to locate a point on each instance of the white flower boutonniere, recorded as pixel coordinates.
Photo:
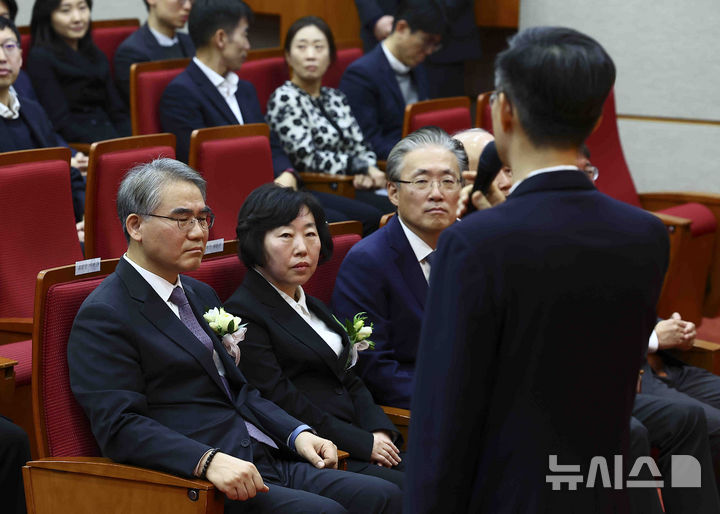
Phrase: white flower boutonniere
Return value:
(358, 334)
(228, 327)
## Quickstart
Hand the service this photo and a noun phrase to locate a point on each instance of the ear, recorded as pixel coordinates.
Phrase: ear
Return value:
(393, 192)
(133, 225)
(402, 26)
(220, 38)
(507, 112)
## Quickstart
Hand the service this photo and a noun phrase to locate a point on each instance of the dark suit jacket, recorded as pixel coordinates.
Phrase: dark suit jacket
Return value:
(151, 389)
(191, 102)
(78, 94)
(44, 136)
(294, 367)
(523, 298)
(376, 100)
(141, 46)
(381, 276)
(460, 43)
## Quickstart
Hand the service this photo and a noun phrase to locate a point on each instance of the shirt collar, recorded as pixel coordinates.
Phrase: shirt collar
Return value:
(12, 112)
(215, 78)
(161, 286)
(162, 39)
(550, 169)
(420, 248)
(397, 66)
(301, 301)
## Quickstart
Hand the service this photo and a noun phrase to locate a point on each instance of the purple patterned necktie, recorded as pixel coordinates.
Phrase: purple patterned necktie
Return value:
(187, 316)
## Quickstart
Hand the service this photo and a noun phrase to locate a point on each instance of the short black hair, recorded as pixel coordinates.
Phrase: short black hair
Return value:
(6, 23)
(208, 16)
(426, 15)
(12, 8)
(315, 21)
(557, 79)
(43, 34)
(271, 206)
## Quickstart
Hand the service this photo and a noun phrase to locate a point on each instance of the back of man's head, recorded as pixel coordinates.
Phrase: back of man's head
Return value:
(557, 79)
(141, 189)
(474, 141)
(426, 15)
(208, 16)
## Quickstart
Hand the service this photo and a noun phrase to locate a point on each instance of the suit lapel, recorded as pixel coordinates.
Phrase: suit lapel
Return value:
(388, 74)
(32, 122)
(156, 311)
(320, 310)
(212, 94)
(407, 262)
(290, 321)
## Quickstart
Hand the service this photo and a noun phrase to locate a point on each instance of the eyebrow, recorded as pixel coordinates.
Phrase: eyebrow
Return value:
(420, 171)
(185, 210)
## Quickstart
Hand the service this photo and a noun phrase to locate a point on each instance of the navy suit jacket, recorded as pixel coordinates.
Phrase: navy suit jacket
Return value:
(523, 299)
(191, 102)
(376, 100)
(294, 367)
(44, 136)
(150, 388)
(141, 46)
(381, 276)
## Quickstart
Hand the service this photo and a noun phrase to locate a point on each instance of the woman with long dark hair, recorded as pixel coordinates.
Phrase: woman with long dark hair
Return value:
(71, 75)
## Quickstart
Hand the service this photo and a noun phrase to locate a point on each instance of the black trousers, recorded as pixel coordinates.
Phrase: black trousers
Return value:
(299, 487)
(14, 453)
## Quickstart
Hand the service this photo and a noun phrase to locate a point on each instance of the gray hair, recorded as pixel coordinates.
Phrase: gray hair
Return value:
(139, 192)
(470, 131)
(426, 136)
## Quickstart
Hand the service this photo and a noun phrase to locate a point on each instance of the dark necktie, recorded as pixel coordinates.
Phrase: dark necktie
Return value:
(429, 258)
(187, 316)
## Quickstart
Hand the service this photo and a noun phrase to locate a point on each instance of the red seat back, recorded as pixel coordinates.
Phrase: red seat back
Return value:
(42, 231)
(345, 56)
(234, 160)
(266, 75)
(450, 114)
(224, 273)
(148, 81)
(483, 112)
(108, 163)
(25, 41)
(322, 283)
(108, 34)
(607, 155)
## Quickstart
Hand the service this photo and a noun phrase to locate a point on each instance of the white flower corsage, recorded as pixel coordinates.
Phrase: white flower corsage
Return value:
(229, 329)
(358, 334)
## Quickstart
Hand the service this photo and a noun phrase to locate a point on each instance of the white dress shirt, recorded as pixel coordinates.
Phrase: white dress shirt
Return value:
(419, 247)
(164, 289)
(331, 338)
(402, 74)
(162, 39)
(226, 86)
(562, 167)
(13, 111)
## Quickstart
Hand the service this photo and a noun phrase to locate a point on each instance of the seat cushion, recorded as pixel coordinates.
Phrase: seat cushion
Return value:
(703, 220)
(21, 352)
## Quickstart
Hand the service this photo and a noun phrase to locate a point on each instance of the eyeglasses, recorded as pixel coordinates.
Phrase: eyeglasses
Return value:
(187, 224)
(431, 43)
(10, 47)
(447, 184)
(592, 172)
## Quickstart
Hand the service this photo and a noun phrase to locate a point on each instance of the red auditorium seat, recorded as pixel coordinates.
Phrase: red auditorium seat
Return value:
(267, 71)
(108, 34)
(148, 80)
(108, 162)
(483, 115)
(234, 160)
(345, 56)
(692, 286)
(450, 114)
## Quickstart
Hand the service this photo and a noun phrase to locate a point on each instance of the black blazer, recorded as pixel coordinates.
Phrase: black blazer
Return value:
(78, 94)
(150, 389)
(293, 366)
(559, 288)
(141, 46)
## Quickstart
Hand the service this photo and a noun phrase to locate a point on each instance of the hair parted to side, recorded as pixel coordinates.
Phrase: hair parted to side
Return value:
(421, 138)
(9, 24)
(12, 9)
(311, 21)
(208, 16)
(426, 15)
(271, 206)
(43, 34)
(557, 79)
(141, 189)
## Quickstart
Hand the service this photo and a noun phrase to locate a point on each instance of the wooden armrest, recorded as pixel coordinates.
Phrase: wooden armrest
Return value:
(382, 165)
(703, 354)
(7, 378)
(401, 420)
(94, 484)
(343, 456)
(336, 184)
(679, 197)
(673, 221)
(15, 329)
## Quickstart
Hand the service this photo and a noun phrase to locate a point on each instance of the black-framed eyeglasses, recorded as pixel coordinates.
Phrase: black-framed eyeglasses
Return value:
(447, 184)
(187, 224)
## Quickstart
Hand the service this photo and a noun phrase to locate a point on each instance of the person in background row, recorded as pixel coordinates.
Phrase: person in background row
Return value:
(71, 76)
(156, 40)
(14, 453)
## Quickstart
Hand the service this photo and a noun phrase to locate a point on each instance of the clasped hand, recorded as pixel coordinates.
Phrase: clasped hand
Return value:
(384, 452)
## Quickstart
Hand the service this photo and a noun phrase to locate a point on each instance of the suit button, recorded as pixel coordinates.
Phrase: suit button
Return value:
(339, 391)
(245, 443)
